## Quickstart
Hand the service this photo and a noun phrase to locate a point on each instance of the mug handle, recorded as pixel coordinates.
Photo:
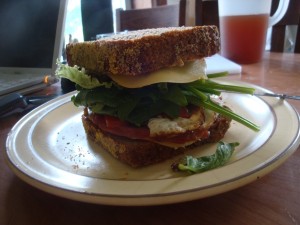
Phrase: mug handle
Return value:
(280, 12)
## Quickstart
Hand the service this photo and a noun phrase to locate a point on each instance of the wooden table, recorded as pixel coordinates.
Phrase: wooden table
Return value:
(273, 199)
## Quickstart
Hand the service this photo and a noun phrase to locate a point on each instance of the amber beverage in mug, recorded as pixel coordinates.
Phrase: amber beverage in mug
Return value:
(243, 27)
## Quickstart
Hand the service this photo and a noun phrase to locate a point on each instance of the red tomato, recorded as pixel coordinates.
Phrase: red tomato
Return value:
(115, 126)
(112, 122)
(184, 113)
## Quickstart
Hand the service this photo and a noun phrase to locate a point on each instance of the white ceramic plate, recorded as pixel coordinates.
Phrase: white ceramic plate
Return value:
(48, 149)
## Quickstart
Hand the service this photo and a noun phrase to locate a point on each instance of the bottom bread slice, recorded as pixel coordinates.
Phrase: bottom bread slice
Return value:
(138, 153)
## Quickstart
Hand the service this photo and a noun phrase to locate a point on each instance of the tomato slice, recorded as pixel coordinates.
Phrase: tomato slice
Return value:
(113, 122)
(184, 112)
(115, 126)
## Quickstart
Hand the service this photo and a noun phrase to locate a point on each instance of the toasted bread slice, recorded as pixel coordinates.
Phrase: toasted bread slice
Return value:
(144, 51)
(138, 153)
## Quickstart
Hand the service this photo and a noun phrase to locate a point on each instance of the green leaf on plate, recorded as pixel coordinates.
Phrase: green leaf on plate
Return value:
(197, 165)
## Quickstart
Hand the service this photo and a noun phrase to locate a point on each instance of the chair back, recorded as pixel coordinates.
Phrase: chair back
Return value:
(206, 12)
(292, 17)
(172, 15)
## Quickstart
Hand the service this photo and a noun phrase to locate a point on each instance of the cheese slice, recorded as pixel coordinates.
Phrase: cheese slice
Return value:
(190, 72)
(175, 145)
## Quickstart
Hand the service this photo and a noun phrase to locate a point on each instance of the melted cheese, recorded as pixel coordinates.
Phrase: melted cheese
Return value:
(190, 72)
(174, 145)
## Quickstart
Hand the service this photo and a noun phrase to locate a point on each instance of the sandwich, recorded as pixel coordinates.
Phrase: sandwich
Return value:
(145, 93)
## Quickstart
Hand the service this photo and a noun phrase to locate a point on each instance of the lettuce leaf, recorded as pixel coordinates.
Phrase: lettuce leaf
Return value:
(78, 76)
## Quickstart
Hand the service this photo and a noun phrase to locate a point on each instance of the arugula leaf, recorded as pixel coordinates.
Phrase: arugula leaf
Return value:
(211, 85)
(143, 112)
(214, 75)
(209, 104)
(197, 165)
(175, 95)
(205, 101)
(89, 97)
(139, 105)
(126, 106)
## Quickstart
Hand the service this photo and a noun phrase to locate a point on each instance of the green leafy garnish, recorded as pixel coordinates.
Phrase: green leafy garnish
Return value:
(197, 165)
(138, 105)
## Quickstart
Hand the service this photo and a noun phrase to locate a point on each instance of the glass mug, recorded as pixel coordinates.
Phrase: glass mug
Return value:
(243, 27)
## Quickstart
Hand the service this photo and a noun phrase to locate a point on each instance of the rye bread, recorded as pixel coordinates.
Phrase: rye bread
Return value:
(144, 51)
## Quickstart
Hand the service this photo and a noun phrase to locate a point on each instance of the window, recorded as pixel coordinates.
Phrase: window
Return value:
(73, 23)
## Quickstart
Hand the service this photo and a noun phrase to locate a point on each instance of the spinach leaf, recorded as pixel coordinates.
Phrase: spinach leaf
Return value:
(197, 165)
(176, 95)
(138, 105)
(144, 111)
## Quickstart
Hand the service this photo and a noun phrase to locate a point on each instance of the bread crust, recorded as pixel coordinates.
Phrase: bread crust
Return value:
(144, 51)
(138, 153)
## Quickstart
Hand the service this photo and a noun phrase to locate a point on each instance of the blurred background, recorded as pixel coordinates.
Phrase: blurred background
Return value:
(74, 30)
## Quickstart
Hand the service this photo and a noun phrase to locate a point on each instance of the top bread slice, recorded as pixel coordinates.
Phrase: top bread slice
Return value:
(140, 52)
